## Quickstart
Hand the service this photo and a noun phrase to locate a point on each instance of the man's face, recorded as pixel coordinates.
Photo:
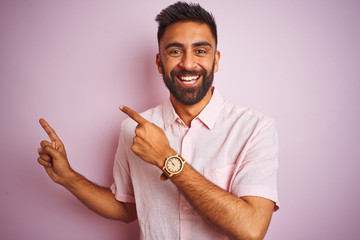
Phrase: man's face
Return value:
(187, 60)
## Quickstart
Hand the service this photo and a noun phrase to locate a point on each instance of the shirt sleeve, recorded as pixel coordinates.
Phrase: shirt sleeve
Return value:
(256, 173)
(122, 186)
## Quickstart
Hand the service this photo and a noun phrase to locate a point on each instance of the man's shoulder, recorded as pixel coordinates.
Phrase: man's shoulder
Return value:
(237, 111)
(234, 111)
(245, 114)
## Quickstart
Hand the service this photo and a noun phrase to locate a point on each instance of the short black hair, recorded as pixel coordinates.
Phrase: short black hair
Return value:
(184, 12)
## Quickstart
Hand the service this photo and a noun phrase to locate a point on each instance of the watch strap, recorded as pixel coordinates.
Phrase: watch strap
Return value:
(163, 177)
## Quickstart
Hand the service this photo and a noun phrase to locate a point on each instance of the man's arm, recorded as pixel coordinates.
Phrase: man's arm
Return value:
(52, 156)
(240, 218)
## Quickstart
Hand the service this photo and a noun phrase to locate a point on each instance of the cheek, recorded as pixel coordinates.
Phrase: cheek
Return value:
(207, 67)
(211, 63)
(170, 65)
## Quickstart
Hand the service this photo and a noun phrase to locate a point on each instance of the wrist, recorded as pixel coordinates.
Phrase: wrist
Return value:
(72, 180)
(161, 162)
(173, 166)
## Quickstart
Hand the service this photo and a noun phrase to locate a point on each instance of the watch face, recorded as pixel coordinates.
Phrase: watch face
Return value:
(174, 165)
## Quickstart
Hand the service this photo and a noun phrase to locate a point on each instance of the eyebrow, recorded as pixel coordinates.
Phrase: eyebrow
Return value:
(177, 44)
(174, 44)
(200, 44)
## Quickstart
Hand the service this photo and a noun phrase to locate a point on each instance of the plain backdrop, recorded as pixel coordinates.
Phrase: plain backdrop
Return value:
(74, 62)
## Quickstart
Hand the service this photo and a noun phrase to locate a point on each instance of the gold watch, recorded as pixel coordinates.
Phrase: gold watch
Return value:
(173, 165)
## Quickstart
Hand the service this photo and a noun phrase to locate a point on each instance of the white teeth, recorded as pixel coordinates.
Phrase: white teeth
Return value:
(189, 78)
(189, 82)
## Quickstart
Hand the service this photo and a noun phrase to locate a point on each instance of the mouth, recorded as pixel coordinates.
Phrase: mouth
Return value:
(188, 80)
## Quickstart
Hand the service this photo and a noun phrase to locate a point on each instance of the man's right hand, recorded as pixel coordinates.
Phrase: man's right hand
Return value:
(52, 156)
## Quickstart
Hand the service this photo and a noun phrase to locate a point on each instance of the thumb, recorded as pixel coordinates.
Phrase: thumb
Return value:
(49, 149)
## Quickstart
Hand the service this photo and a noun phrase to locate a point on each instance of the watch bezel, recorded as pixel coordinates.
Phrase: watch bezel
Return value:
(170, 173)
(171, 159)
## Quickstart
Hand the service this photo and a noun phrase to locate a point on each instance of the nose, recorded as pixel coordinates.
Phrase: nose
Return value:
(188, 62)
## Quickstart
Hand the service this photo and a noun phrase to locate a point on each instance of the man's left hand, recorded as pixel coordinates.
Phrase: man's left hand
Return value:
(150, 142)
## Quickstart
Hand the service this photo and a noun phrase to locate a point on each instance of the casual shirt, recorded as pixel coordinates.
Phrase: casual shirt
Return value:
(235, 148)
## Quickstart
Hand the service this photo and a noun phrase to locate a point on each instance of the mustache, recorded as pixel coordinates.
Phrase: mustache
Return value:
(184, 72)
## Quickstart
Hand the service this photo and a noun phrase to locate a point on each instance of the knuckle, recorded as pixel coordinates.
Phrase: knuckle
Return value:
(137, 130)
(133, 148)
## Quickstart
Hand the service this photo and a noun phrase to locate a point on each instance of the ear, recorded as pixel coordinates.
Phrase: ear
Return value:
(158, 63)
(217, 59)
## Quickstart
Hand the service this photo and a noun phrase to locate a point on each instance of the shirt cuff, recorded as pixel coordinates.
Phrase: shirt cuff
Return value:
(258, 191)
(120, 196)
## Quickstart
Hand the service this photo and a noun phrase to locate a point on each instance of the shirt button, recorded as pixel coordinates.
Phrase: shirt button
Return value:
(185, 208)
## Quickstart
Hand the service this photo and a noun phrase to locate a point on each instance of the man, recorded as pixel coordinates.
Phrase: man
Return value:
(195, 167)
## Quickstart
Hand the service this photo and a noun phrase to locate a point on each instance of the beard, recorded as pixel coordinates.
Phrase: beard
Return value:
(188, 95)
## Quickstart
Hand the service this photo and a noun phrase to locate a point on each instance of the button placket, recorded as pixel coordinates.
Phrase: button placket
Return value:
(186, 147)
(185, 223)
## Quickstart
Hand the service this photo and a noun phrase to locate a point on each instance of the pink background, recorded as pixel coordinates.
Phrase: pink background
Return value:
(75, 62)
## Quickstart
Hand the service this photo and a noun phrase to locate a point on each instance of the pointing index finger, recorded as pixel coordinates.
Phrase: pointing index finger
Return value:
(50, 132)
(133, 114)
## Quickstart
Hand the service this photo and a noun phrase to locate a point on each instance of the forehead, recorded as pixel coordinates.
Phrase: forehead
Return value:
(187, 33)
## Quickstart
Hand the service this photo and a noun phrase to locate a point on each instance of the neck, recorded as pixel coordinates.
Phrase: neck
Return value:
(188, 112)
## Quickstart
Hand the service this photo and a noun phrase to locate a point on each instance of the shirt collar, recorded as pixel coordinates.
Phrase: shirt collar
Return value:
(207, 116)
(169, 114)
(210, 113)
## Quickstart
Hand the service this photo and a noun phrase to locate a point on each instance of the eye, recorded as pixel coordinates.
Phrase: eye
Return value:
(200, 51)
(175, 52)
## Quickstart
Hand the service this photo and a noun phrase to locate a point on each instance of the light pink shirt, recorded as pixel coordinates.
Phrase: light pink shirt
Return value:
(235, 148)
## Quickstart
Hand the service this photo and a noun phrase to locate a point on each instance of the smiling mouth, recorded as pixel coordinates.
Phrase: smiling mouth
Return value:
(188, 79)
